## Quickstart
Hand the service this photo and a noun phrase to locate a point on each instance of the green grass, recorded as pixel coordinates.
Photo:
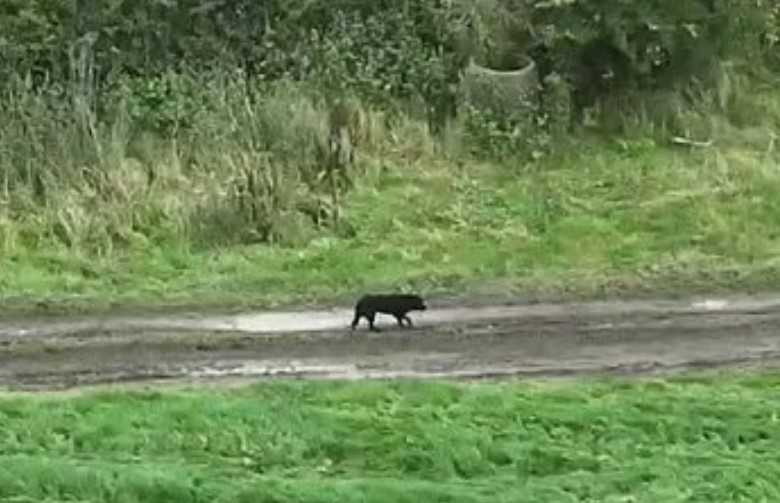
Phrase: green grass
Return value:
(685, 439)
(595, 218)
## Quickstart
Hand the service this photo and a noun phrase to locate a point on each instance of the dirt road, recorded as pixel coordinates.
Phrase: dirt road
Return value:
(539, 340)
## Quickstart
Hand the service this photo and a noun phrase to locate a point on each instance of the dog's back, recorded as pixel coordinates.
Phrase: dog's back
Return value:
(391, 303)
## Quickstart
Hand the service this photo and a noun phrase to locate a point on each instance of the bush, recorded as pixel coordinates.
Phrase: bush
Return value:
(608, 48)
(385, 49)
(380, 48)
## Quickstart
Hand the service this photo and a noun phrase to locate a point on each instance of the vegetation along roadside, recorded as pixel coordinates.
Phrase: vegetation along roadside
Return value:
(300, 151)
(709, 438)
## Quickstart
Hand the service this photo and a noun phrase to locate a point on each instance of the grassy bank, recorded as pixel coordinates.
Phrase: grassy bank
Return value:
(601, 217)
(155, 223)
(702, 439)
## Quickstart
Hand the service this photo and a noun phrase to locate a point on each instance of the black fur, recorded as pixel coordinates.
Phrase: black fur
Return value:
(397, 305)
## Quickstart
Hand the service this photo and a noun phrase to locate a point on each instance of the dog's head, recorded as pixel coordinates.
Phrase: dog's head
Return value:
(419, 304)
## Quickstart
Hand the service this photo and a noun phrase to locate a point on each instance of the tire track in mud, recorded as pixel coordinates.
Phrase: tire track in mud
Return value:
(627, 337)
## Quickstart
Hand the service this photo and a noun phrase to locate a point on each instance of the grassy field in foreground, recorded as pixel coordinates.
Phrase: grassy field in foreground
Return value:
(700, 439)
(595, 217)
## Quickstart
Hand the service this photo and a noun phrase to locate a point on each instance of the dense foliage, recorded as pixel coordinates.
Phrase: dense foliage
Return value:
(402, 48)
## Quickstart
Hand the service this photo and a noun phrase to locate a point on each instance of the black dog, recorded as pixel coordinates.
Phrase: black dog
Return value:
(397, 305)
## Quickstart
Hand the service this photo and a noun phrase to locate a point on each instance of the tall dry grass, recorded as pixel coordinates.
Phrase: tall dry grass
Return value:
(251, 163)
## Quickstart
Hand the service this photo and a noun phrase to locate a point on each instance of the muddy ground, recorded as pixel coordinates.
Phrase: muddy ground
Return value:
(629, 337)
